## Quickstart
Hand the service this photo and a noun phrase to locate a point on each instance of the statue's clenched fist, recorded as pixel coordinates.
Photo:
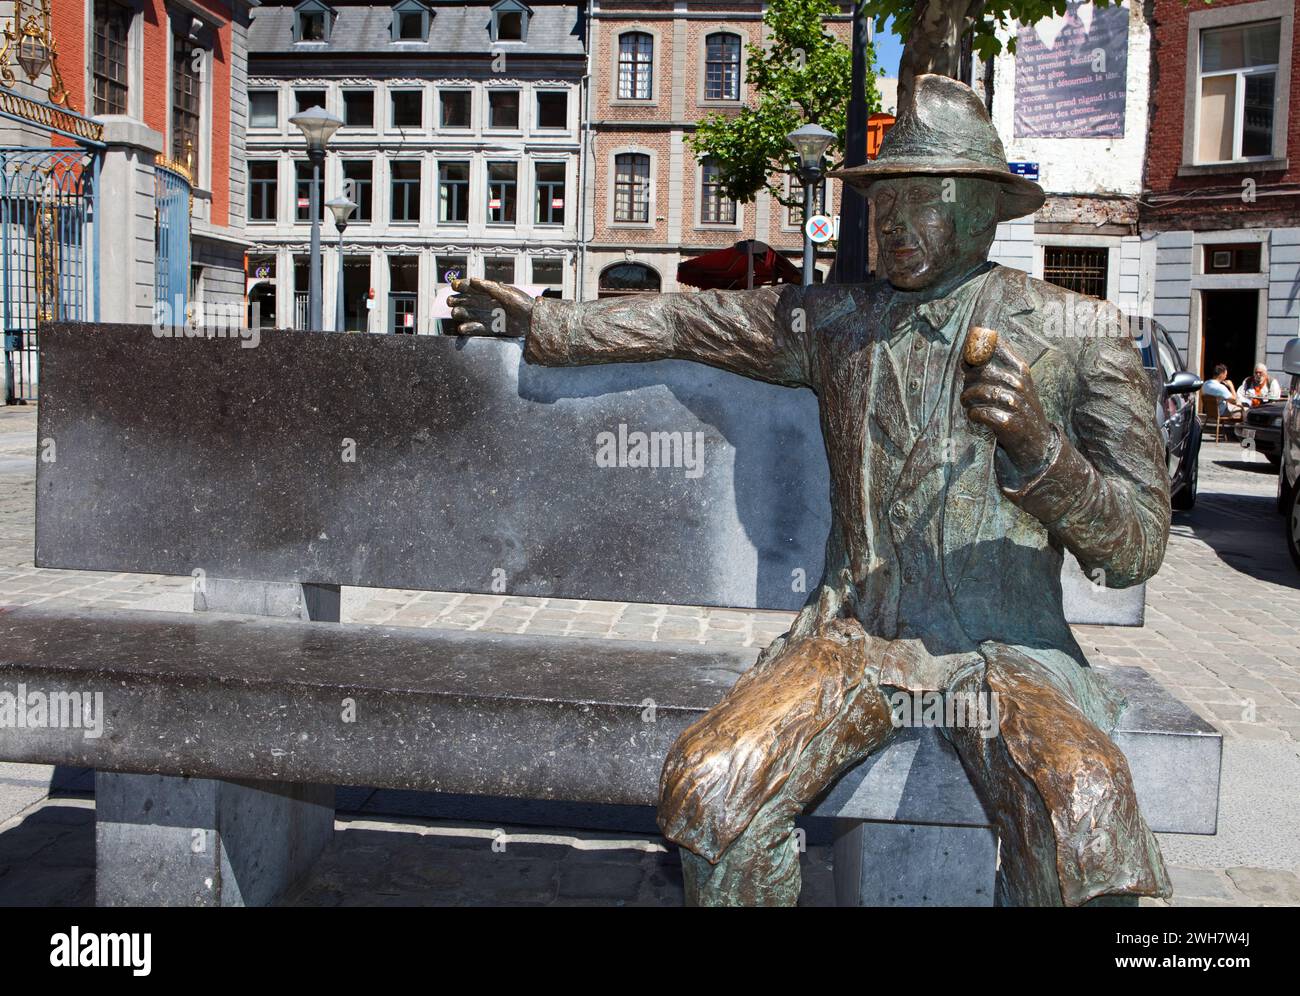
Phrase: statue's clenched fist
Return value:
(1001, 395)
(485, 307)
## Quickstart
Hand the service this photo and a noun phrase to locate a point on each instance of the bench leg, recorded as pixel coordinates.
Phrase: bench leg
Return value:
(903, 864)
(281, 599)
(165, 841)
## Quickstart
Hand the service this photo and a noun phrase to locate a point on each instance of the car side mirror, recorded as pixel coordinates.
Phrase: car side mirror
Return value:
(1183, 382)
(1291, 357)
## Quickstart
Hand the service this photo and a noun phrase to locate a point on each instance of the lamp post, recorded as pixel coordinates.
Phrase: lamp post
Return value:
(342, 209)
(810, 142)
(317, 126)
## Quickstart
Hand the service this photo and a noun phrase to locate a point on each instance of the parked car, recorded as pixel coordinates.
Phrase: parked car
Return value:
(1288, 476)
(1261, 430)
(1174, 390)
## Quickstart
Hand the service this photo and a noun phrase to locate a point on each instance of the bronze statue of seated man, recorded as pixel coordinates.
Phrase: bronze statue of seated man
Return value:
(957, 481)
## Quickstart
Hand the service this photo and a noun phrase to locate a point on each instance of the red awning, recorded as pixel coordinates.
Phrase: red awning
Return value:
(728, 269)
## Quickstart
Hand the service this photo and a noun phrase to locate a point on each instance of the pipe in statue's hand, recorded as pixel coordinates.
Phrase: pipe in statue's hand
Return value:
(485, 307)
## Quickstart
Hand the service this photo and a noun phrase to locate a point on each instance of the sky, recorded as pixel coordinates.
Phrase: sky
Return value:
(889, 49)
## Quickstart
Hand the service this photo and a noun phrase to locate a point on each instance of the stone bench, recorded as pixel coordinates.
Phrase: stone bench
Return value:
(224, 729)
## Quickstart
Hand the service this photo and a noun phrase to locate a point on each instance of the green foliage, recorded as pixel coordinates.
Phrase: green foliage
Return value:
(998, 15)
(803, 75)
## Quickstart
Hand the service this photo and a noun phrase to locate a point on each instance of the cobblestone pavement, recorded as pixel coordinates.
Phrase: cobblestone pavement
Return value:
(1222, 633)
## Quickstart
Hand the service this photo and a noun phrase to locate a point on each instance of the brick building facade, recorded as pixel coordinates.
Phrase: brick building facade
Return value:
(657, 69)
(1222, 197)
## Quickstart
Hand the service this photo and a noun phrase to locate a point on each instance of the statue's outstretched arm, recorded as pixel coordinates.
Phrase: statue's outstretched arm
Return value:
(761, 333)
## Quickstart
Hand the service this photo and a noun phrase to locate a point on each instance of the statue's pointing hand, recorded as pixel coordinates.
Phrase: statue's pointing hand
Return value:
(1000, 394)
(485, 307)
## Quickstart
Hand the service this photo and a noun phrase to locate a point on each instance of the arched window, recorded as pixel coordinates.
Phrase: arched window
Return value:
(722, 66)
(636, 52)
(628, 278)
(632, 187)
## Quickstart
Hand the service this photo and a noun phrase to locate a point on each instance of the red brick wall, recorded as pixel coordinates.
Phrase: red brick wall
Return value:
(68, 21)
(658, 20)
(1165, 142)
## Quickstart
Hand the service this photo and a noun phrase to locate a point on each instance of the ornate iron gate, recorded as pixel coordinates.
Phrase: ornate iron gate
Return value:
(47, 218)
(172, 239)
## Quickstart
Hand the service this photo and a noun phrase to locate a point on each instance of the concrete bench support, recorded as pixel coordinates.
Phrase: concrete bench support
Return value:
(908, 864)
(166, 841)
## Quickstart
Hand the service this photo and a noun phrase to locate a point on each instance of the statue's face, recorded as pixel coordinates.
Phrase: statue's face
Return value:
(919, 230)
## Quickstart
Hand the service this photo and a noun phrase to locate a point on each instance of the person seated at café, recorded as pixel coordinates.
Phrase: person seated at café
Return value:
(1259, 387)
(1221, 388)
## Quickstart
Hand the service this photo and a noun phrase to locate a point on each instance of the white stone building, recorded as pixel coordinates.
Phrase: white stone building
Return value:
(460, 144)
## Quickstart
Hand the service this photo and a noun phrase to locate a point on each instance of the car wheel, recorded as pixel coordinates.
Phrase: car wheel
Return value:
(1185, 497)
(1293, 527)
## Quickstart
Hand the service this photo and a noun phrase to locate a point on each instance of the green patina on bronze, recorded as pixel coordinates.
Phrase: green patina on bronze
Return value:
(955, 487)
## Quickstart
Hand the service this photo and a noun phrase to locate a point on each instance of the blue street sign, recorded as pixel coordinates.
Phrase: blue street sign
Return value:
(1027, 170)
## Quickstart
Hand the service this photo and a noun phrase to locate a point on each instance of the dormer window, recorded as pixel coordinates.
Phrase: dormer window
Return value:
(510, 21)
(312, 21)
(411, 20)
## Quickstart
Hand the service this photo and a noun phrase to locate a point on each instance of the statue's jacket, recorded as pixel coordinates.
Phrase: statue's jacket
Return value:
(937, 544)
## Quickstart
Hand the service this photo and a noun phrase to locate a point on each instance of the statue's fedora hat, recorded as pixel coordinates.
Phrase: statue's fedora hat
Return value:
(947, 132)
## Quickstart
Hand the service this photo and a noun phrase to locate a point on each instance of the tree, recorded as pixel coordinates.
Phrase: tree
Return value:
(932, 31)
(803, 75)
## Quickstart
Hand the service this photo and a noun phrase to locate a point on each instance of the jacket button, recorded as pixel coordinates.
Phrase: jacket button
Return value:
(899, 511)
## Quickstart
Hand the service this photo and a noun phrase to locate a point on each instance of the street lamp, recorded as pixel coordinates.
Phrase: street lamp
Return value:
(317, 126)
(810, 142)
(342, 209)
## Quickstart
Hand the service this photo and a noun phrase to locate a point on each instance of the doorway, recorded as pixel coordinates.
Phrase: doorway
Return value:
(1229, 320)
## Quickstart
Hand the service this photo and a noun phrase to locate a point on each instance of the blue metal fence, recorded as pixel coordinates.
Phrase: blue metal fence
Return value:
(47, 228)
(172, 241)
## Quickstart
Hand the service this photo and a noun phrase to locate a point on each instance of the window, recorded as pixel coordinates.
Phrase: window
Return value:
(187, 102)
(795, 212)
(358, 184)
(499, 268)
(450, 268)
(627, 278)
(632, 187)
(550, 193)
(359, 108)
(410, 27)
(263, 186)
(1235, 258)
(453, 192)
(455, 108)
(112, 31)
(403, 293)
(1237, 92)
(311, 27)
(722, 66)
(1077, 269)
(548, 271)
(406, 191)
(307, 99)
(503, 108)
(509, 21)
(408, 108)
(410, 21)
(715, 207)
(303, 173)
(502, 179)
(264, 108)
(313, 21)
(552, 109)
(635, 65)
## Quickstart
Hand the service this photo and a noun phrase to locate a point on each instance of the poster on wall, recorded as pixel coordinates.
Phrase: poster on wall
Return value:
(1070, 74)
